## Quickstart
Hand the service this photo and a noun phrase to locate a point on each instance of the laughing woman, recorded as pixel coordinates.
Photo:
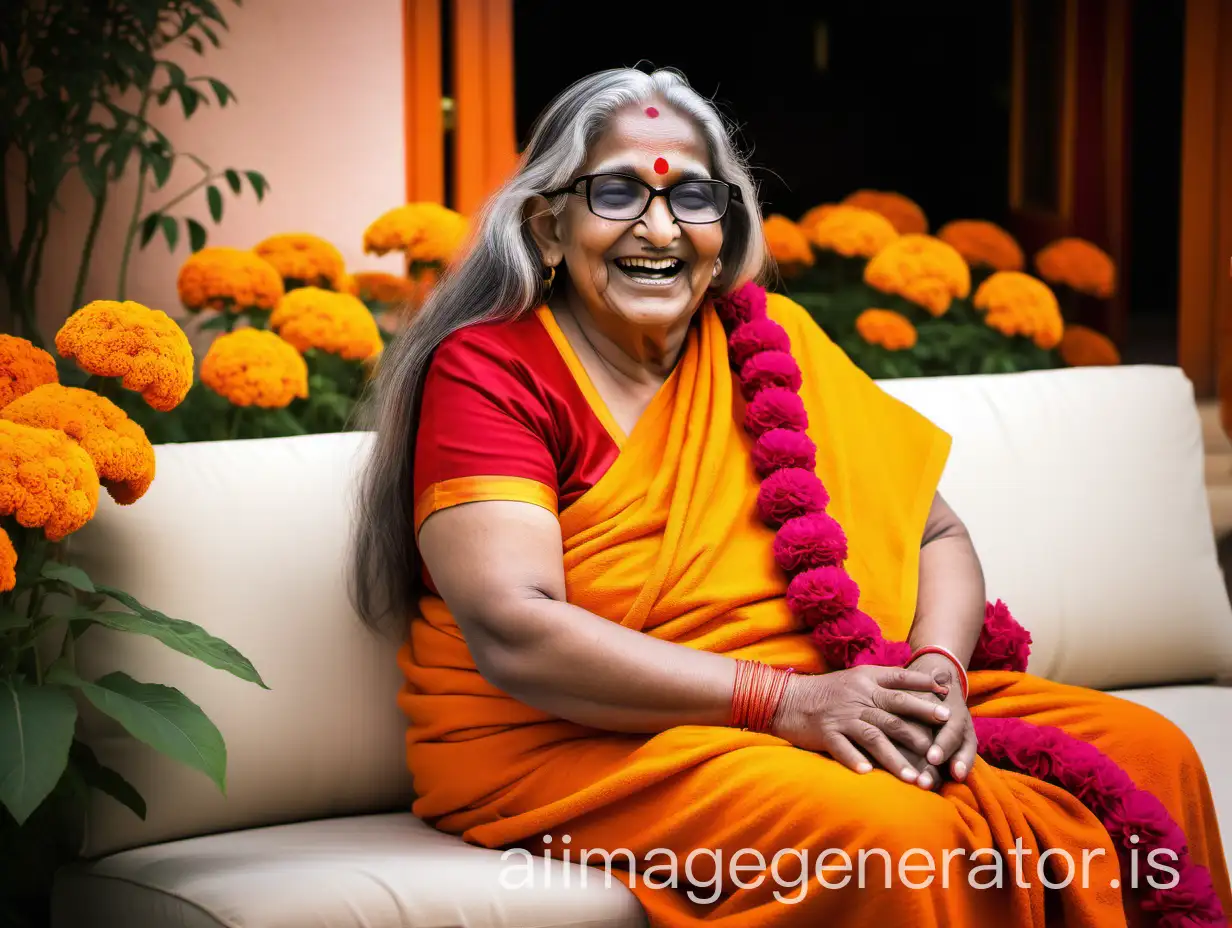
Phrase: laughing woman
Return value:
(680, 577)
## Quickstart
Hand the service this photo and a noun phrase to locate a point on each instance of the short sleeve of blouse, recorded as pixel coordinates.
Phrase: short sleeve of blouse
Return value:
(483, 431)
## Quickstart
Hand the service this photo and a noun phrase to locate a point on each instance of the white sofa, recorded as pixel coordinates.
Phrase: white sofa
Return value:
(1083, 490)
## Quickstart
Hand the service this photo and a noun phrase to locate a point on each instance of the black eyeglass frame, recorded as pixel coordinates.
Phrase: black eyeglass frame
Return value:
(733, 195)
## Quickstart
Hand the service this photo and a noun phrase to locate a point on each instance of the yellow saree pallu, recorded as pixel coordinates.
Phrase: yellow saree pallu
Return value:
(669, 542)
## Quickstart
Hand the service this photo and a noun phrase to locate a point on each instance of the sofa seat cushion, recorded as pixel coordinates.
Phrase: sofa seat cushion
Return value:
(377, 871)
(1202, 712)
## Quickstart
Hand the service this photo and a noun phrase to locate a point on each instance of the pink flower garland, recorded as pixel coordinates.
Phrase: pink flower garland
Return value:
(811, 548)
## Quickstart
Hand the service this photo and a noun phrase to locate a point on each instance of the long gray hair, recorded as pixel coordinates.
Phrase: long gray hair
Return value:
(500, 276)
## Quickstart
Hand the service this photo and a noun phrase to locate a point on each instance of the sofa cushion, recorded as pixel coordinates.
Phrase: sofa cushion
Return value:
(1083, 490)
(381, 871)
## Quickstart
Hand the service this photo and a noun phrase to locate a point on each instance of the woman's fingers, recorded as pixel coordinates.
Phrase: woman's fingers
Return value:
(898, 678)
(907, 705)
(960, 766)
(876, 743)
(842, 750)
(918, 738)
(949, 740)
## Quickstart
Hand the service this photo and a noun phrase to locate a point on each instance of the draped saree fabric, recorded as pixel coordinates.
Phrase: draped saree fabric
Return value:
(667, 541)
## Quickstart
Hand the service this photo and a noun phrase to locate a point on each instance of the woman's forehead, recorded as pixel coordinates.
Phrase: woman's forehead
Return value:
(633, 137)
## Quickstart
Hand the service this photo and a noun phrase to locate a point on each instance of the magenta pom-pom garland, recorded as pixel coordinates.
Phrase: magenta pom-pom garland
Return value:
(811, 548)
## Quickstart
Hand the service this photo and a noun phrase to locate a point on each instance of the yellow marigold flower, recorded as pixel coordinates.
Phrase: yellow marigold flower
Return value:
(8, 562)
(228, 279)
(787, 243)
(380, 287)
(46, 480)
(1017, 304)
(1078, 264)
(904, 213)
(1084, 347)
(23, 366)
(428, 232)
(892, 331)
(809, 220)
(922, 269)
(123, 457)
(144, 347)
(337, 323)
(983, 243)
(304, 260)
(852, 231)
(252, 367)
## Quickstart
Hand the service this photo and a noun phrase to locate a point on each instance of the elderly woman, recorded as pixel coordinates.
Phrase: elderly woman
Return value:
(663, 543)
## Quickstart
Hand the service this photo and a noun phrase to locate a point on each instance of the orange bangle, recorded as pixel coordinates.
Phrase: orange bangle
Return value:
(950, 656)
(756, 696)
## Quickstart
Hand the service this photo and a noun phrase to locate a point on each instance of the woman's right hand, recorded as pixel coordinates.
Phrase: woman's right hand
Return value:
(849, 714)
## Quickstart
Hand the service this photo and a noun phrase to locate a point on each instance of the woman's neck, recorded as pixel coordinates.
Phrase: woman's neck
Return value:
(634, 355)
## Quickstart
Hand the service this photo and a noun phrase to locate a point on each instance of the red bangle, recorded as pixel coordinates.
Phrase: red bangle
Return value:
(756, 695)
(948, 654)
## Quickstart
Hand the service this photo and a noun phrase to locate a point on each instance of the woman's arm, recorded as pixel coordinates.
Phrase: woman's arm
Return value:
(498, 565)
(950, 603)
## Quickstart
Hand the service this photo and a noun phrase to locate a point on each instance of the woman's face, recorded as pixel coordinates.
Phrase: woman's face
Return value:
(652, 271)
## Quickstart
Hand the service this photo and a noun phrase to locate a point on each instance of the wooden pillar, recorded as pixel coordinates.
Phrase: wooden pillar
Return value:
(424, 124)
(485, 146)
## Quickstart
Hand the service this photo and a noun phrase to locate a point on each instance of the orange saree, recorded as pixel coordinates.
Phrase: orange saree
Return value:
(667, 541)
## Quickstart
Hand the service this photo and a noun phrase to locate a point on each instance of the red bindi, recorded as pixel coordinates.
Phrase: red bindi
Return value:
(652, 112)
(660, 166)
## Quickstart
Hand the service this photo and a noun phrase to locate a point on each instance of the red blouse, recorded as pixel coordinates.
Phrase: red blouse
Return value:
(509, 413)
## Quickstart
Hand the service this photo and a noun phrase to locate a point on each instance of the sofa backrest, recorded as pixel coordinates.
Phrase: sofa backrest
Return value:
(1083, 490)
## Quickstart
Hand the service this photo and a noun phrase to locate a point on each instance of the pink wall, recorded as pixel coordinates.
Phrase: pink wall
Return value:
(318, 112)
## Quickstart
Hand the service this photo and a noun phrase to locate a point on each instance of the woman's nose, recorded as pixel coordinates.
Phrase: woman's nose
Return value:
(659, 225)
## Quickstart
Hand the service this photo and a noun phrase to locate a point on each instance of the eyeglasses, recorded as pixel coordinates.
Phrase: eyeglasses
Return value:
(623, 197)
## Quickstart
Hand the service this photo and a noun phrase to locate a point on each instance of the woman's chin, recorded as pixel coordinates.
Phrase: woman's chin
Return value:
(657, 305)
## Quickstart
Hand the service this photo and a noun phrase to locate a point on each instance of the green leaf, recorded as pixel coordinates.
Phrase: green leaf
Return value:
(259, 184)
(284, 423)
(11, 619)
(233, 179)
(196, 234)
(177, 634)
(171, 231)
(197, 45)
(149, 226)
(159, 163)
(221, 321)
(36, 729)
(160, 716)
(214, 198)
(175, 74)
(92, 172)
(211, 35)
(224, 94)
(190, 99)
(67, 573)
(105, 780)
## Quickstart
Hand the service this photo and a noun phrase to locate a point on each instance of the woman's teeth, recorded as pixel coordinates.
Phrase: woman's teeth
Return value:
(651, 270)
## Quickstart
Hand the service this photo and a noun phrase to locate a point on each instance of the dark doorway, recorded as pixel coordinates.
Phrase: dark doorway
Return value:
(829, 96)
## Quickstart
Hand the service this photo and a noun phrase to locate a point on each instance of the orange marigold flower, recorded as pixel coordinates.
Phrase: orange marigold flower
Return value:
(304, 260)
(380, 287)
(46, 480)
(809, 220)
(1084, 347)
(852, 231)
(788, 245)
(922, 269)
(428, 232)
(23, 366)
(8, 562)
(892, 331)
(337, 323)
(983, 243)
(145, 347)
(1078, 264)
(252, 367)
(904, 213)
(1017, 304)
(228, 279)
(123, 457)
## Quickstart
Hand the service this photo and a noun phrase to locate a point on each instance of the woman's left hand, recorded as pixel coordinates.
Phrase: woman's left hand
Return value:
(954, 745)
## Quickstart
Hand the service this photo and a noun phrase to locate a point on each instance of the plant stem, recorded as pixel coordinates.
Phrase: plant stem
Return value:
(87, 251)
(131, 235)
(176, 200)
(237, 416)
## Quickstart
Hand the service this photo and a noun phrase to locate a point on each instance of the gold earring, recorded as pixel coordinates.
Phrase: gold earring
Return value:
(550, 276)
(718, 267)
